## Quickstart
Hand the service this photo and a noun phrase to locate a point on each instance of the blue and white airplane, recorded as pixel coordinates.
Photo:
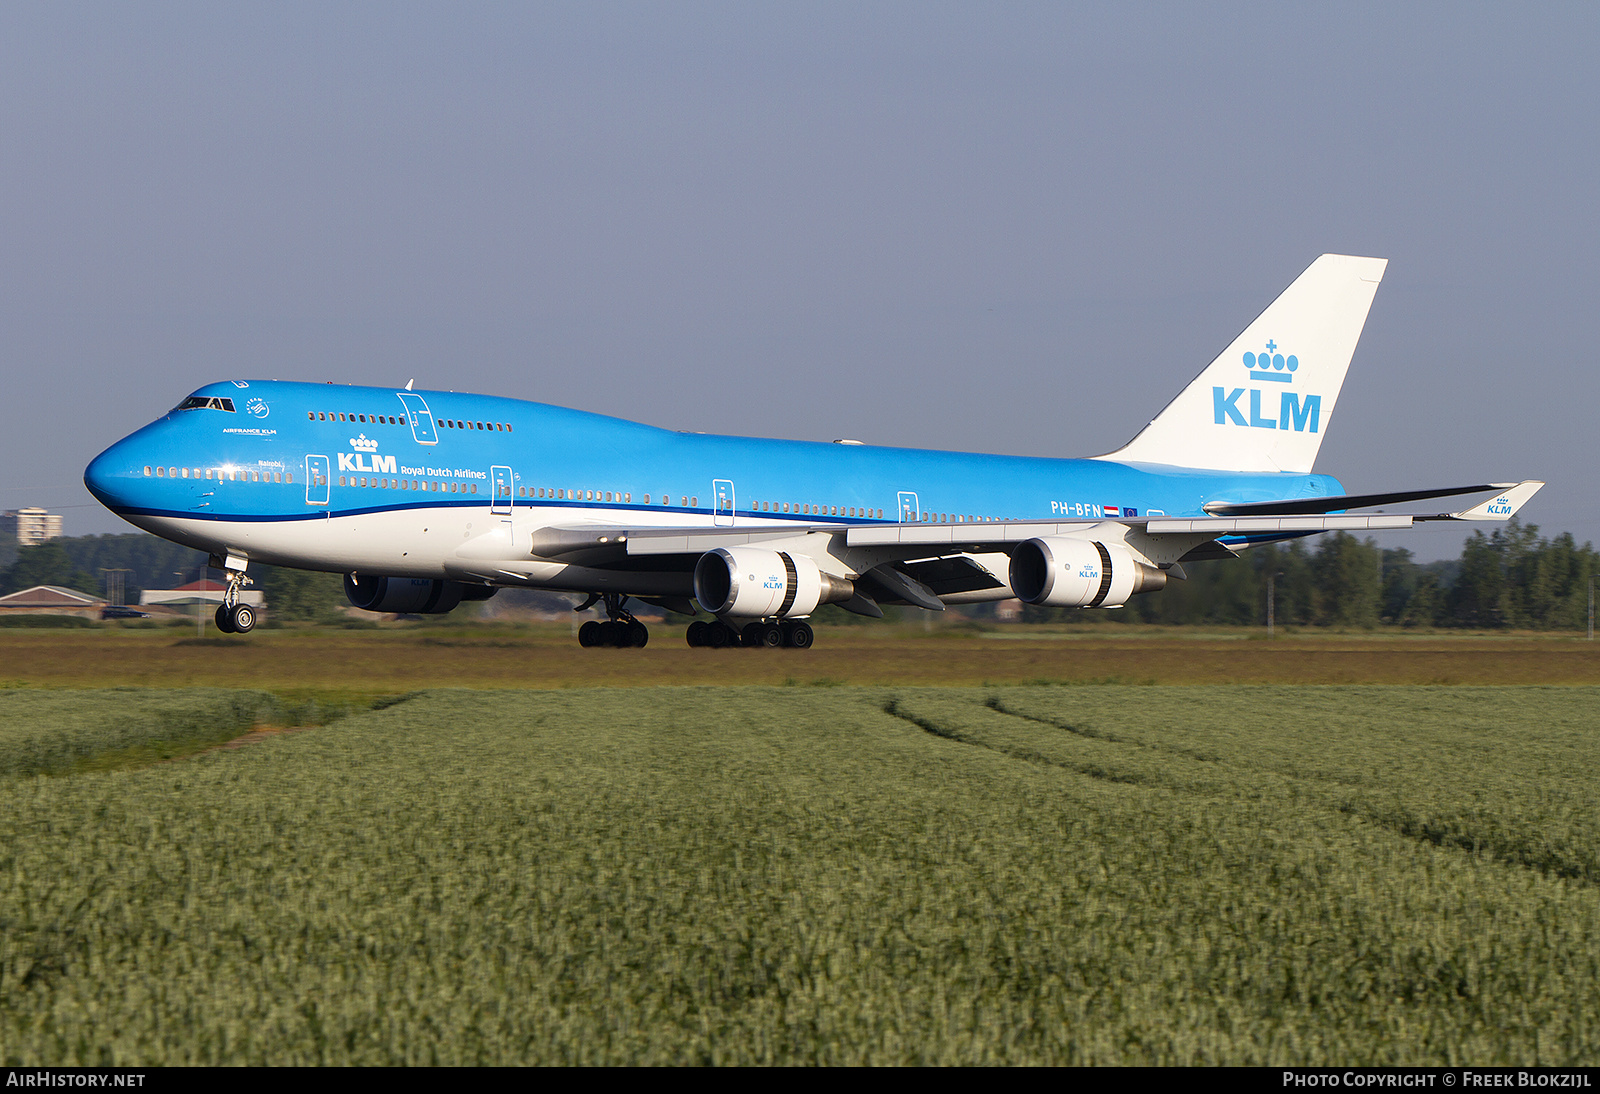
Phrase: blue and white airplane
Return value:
(424, 499)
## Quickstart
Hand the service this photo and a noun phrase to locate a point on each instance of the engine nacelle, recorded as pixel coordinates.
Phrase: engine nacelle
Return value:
(411, 595)
(1079, 573)
(753, 583)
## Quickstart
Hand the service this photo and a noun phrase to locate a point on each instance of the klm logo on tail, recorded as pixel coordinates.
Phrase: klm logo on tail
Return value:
(1292, 412)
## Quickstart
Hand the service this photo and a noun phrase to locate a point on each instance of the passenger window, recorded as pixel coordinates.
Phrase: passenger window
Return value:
(694, 503)
(161, 472)
(147, 471)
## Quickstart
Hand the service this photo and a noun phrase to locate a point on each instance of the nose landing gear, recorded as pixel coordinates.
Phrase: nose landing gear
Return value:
(234, 617)
(621, 630)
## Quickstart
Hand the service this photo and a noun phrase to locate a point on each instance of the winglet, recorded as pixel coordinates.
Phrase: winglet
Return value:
(1502, 506)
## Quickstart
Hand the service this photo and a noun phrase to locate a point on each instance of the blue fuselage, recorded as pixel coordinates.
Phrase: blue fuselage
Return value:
(281, 452)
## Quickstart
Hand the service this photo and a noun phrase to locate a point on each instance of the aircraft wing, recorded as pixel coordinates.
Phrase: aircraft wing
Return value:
(1341, 502)
(922, 563)
(932, 539)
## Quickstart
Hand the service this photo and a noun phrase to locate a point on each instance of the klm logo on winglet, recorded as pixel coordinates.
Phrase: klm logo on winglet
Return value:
(1292, 413)
(1500, 507)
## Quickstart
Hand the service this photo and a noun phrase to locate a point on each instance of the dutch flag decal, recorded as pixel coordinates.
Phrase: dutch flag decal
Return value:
(1111, 510)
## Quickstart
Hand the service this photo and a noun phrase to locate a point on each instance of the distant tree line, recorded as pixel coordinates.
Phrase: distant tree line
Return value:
(1511, 578)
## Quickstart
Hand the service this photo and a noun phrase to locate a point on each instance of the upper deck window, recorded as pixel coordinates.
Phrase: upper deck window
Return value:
(201, 402)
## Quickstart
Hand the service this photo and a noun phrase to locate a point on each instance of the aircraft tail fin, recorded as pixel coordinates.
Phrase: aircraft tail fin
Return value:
(1265, 403)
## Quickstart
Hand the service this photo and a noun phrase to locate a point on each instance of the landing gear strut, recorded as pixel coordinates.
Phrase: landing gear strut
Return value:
(234, 617)
(761, 634)
(621, 629)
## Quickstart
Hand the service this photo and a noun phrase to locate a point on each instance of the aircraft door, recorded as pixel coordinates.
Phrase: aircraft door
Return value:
(419, 417)
(316, 480)
(722, 493)
(501, 490)
(910, 507)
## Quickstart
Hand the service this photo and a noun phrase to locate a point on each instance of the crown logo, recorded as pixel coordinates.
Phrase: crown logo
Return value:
(1272, 365)
(364, 443)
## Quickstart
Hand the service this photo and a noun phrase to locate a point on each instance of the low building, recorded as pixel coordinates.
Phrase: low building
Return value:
(205, 592)
(52, 600)
(31, 526)
(1008, 611)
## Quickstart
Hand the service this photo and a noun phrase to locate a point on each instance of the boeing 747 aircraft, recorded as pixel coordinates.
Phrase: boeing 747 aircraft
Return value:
(424, 499)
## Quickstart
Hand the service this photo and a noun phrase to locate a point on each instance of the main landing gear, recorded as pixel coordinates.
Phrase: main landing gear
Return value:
(762, 634)
(234, 617)
(621, 630)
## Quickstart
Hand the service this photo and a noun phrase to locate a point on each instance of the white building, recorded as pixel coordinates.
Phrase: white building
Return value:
(205, 591)
(30, 526)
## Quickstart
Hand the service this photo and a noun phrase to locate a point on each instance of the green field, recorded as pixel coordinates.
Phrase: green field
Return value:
(1051, 874)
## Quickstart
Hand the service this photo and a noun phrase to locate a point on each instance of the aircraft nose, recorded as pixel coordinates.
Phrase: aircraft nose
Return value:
(114, 476)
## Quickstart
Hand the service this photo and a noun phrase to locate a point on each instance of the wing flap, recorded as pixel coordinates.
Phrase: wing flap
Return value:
(683, 541)
(1226, 526)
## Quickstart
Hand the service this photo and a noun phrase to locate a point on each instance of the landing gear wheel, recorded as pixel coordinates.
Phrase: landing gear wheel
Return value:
(697, 633)
(242, 620)
(719, 636)
(224, 623)
(797, 635)
(771, 636)
(619, 630)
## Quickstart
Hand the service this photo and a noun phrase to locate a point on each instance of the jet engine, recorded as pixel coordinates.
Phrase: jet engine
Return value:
(1079, 573)
(752, 583)
(411, 595)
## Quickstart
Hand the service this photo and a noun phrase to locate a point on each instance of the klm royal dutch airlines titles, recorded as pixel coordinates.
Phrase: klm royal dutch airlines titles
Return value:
(423, 499)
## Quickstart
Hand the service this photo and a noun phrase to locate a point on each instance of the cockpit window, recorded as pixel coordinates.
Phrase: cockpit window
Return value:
(202, 402)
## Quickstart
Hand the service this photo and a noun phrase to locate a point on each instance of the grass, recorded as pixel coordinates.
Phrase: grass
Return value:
(68, 732)
(399, 660)
(1089, 874)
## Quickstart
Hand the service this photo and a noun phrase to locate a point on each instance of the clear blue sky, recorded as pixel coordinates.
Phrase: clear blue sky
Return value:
(994, 227)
